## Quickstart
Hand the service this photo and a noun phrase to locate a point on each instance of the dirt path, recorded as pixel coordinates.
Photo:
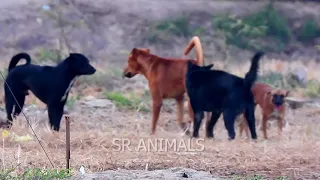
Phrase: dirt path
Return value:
(168, 174)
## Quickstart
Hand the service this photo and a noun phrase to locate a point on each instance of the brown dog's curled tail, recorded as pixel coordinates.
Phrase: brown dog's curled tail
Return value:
(16, 58)
(195, 41)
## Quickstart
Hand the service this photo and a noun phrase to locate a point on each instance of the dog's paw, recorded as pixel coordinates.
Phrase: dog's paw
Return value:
(5, 125)
(56, 134)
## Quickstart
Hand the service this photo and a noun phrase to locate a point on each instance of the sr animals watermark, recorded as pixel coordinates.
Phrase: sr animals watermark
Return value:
(159, 145)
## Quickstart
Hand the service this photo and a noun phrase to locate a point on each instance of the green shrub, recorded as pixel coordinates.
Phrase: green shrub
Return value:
(239, 33)
(277, 25)
(308, 31)
(248, 32)
(313, 88)
(164, 30)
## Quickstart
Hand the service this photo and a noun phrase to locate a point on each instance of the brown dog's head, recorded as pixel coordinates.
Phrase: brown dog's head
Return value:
(278, 97)
(134, 67)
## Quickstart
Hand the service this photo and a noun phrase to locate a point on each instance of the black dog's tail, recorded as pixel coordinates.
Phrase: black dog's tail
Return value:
(252, 74)
(15, 59)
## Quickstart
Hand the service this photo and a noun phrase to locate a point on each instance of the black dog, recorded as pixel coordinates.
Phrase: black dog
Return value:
(220, 92)
(50, 84)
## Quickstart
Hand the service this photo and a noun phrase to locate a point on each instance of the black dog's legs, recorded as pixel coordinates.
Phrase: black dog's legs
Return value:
(229, 119)
(55, 112)
(198, 116)
(9, 107)
(18, 108)
(249, 115)
(210, 125)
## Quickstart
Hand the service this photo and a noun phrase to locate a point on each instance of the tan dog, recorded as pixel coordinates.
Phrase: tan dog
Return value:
(166, 77)
(272, 104)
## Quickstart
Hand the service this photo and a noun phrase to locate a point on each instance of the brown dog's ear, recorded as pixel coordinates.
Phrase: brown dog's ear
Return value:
(269, 93)
(134, 51)
(147, 50)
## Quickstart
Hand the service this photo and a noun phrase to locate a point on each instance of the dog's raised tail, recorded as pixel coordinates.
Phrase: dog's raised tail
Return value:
(195, 41)
(252, 74)
(16, 58)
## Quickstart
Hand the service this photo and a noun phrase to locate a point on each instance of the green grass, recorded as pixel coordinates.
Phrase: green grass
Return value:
(71, 101)
(37, 173)
(123, 102)
(101, 78)
(258, 177)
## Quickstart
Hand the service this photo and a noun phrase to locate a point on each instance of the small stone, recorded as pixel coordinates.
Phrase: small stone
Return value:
(184, 175)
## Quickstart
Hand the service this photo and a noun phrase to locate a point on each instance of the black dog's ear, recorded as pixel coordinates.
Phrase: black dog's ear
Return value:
(190, 65)
(208, 67)
(72, 54)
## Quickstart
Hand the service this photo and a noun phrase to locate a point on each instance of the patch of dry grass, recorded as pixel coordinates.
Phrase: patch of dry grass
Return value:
(93, 131)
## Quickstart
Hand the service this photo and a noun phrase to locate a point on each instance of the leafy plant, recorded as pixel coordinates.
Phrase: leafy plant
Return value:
(239, 33)
(163, 30)
(37, 173)
(313, 88)
(247, 32)
(308, 31)
(277, 25)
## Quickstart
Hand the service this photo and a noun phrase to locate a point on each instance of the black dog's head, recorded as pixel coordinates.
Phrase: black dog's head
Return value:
(79, 64)
(193, 67)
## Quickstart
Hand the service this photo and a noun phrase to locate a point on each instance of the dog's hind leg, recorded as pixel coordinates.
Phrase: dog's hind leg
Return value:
(18, 108)
(229, 119)
(9, 107)
(251, 121)
(210, 124)
(156, 107)
(198, 116)
(55, 112)
(182, 124)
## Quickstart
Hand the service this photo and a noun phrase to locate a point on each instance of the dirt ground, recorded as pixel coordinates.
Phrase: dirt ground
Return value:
(97, 134)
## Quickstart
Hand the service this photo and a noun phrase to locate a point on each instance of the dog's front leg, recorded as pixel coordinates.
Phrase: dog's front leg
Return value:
(55, 112)
(264, 126)
(280, 125)
(156, 107)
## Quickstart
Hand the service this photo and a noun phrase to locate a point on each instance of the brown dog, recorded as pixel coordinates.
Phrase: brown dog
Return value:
(166, 77)
(271, 101)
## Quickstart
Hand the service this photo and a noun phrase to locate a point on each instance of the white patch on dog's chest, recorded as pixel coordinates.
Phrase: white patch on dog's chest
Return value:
(275, 114)
(68, 89)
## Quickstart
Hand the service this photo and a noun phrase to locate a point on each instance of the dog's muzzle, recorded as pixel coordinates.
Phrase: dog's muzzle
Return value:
(127, 74)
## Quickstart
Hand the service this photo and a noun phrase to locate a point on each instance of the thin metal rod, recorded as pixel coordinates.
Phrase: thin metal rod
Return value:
(67, 118)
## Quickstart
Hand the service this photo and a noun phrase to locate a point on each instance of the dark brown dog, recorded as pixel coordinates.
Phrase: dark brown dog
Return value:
(166, 77)
(272, 103)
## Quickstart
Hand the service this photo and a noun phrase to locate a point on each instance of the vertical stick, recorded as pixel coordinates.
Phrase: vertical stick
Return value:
(67, 118)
